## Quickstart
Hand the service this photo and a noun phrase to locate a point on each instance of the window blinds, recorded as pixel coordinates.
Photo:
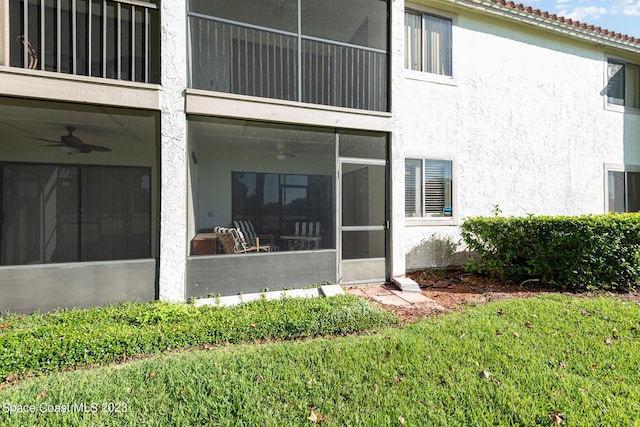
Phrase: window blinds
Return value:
(438, 42)
(413, 41)
(412, 188)
(435, 192)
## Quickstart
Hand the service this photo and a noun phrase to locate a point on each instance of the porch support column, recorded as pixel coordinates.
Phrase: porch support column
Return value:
(4, 33)
(396, 48)
(173, 149)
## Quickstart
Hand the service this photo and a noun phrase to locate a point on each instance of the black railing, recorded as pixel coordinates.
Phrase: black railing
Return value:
(256, 61)
(115, 39)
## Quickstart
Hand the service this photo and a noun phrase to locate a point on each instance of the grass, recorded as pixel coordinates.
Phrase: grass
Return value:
(515, 362)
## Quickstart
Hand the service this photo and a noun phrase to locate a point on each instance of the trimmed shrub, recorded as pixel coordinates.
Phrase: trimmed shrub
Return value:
(579, 253)
(71, 338)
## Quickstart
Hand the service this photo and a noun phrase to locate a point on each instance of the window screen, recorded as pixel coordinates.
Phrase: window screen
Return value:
(65, 213)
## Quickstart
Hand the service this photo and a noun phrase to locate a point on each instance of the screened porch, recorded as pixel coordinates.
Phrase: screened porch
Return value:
(78, 205)
(330, 52)
(281, 181)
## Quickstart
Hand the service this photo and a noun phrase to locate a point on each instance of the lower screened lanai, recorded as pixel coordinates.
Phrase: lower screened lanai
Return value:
(78, 204)
(316, 198)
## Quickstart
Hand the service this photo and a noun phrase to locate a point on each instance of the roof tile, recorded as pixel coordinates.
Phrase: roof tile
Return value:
(568, 21)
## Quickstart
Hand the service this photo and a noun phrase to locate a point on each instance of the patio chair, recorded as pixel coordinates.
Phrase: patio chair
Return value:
(234, 242)
(309, 233)
(246, 227)
(32, 53)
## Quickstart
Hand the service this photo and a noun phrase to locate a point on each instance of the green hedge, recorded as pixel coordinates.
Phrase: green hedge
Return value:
(579, 253)
(71, 338)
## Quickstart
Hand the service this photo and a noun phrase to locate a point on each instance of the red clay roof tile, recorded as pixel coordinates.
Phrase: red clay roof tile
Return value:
(568, 21)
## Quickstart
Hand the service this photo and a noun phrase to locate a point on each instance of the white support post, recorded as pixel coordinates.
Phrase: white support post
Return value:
(173, 152)
(4, 32)
(396, 50)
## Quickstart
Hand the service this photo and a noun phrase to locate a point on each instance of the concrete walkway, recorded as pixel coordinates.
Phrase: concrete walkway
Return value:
(390, 295)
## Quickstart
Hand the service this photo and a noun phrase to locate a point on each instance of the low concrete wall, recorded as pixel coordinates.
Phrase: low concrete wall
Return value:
(231, 274)
(28, 288)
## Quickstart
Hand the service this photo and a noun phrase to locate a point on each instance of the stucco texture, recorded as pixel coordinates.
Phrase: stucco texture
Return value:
(173, 146)
(524, 118)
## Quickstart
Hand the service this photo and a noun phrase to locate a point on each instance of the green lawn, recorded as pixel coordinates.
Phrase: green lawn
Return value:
(515, 362)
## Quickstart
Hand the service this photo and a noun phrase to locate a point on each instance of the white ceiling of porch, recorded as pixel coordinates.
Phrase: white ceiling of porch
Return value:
(128, 133)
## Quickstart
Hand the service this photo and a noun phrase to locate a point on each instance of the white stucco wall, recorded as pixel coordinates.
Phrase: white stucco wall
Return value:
(523, 118)
(173, 150)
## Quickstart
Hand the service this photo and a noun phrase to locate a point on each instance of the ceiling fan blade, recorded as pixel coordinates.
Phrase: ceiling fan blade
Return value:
(71, 144)
(95, 148)
(47, 140)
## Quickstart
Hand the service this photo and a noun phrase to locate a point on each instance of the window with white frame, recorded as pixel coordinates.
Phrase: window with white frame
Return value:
(624, 191)
(428, 43)
(428, 188)
(623, 83)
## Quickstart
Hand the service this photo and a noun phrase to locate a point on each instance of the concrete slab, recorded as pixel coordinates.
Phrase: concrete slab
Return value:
(411, 297)
(233, 300)
(372, 291)
(301, 293)
(406, 284)
(331, 290)
(357, 292)
(390, 300)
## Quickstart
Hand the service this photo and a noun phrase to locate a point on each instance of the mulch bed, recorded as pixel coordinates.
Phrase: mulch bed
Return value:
(453, 289)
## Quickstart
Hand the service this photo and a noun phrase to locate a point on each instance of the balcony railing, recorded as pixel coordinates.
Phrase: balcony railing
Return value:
(343, 76)
(115, 39)
(256, 61)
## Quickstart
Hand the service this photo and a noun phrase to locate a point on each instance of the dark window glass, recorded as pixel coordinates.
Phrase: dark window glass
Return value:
(125, 43)
(274, 203)
(96, 38)
(140, 67)
(60, 213)
(615, 87)
(633, 191)
(51, 31)
(616, 191)
(82, 35)
(16, 26)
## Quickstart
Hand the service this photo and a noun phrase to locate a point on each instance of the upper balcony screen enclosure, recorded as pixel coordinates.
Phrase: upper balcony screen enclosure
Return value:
(332, 52)
(99, 38)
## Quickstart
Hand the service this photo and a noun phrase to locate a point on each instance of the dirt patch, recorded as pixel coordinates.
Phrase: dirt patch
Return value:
(454, 289)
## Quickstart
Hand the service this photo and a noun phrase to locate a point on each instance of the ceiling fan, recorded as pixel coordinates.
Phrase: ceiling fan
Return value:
(71, 144)
(283, 151)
